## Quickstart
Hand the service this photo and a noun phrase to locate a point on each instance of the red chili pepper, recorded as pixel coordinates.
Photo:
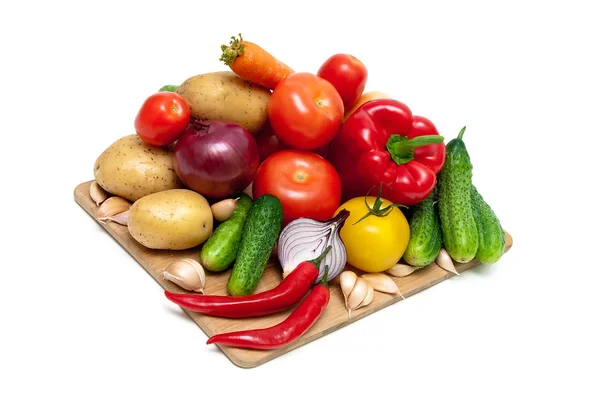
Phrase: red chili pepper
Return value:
(382, 142)
(287, 331)
(285, 295)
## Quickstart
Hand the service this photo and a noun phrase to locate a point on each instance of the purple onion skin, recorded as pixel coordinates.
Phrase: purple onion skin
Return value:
(216, 158)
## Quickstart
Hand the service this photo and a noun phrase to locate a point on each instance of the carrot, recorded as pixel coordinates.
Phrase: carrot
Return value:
(251, 62)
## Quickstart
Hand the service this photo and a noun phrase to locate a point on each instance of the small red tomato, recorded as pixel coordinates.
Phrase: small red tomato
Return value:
(348, 74)
(268, 144)
(306, 184)
(162, 119)
(305, 111)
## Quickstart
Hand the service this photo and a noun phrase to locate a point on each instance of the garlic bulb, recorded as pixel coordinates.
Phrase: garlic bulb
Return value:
(186, 273)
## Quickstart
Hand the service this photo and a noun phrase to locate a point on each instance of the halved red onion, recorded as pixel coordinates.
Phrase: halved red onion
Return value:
(305, 239)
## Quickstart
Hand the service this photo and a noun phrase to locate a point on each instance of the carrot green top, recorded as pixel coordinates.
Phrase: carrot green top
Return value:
(233, 51)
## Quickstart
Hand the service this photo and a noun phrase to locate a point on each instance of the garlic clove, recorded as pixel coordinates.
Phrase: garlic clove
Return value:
(347, 282)
(223, 209)
(358, 294)
(186, 273)
(97, 193)
(112, 206)
(401, 270)
(368, 297)
(248, 190)
(381, 282)
(445, 262)
(120, 218)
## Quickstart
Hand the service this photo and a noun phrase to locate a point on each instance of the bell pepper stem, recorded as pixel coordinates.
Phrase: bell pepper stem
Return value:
(317, 261)
(402, 149)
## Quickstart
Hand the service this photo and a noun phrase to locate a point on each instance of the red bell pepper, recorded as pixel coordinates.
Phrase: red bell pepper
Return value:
(383, 143)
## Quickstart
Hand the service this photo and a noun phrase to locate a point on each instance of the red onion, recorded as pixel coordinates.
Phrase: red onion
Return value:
(305, 239)
(216, 158)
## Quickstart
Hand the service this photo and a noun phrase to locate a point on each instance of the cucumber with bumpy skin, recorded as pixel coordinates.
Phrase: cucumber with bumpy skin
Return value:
(425, 234)
(219, 251)
(459, 228)
(260, 233)
(492, 239)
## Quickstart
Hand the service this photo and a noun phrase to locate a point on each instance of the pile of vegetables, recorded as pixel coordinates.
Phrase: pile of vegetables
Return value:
(259, 162)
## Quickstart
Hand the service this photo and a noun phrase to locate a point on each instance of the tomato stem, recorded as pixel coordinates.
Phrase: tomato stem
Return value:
(376, 209)
(402, 149)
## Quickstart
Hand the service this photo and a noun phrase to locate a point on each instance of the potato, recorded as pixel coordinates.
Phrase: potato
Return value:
(132, 169)
(174, 219)
(226, 97)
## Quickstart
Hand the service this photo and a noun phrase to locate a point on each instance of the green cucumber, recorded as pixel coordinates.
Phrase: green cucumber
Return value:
(459, 228)
(492, 239)
(219, 251)
(260, 233)
(425, 239)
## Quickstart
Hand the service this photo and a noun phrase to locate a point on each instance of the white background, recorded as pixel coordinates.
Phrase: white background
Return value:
(81, 319)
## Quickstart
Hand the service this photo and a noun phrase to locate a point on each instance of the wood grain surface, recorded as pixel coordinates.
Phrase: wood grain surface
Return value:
(334, 317)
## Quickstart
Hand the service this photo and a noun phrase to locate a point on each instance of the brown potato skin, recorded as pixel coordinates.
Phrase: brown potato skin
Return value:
(223, 96)
(132, 169)
(175, 219)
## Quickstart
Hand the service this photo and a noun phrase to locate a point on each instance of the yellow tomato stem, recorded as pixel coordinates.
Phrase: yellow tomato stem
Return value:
(376, 210)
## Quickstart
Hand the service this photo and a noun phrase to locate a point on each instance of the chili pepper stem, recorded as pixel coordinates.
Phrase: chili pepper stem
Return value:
(402, 149)
(324, 280)
(317, 261)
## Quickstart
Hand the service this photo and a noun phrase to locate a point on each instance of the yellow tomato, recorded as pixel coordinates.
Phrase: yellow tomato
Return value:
(376, 243)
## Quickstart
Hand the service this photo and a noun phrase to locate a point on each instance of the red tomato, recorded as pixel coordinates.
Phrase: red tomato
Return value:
(348, 74)
(268, 144)
(305, 111)
(306, 184)
(162, 118)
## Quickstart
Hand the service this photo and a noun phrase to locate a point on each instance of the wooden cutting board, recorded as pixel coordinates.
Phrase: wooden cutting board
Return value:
(334, 317)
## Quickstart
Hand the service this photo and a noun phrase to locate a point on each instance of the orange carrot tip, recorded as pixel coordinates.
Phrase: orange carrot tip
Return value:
(233, 51)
